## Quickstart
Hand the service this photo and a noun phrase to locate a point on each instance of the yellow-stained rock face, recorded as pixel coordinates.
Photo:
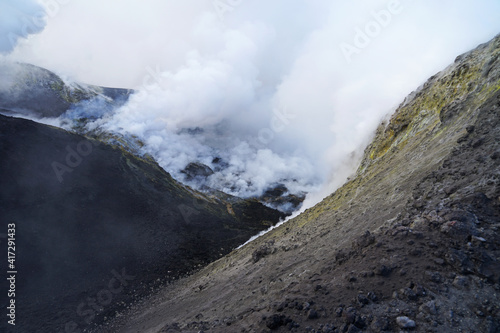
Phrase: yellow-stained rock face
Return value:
(472, 79)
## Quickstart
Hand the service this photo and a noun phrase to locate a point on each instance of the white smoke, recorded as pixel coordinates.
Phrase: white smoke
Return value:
(261, 92)
(19, 19)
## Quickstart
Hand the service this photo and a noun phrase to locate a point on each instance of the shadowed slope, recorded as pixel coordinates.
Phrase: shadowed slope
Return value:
(97, 227)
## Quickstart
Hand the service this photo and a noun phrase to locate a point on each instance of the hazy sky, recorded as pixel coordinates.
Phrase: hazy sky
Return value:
(286, 89)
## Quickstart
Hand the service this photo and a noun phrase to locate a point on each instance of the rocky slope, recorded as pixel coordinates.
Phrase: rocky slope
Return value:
(97, 226)
(411, 242)
(31, 90)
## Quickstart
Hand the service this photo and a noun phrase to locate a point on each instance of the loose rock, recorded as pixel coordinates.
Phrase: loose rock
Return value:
(405, 322)
(383, 270)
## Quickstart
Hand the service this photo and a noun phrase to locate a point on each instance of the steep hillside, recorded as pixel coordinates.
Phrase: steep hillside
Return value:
(31, 90)
(410, 242)
(96, 227)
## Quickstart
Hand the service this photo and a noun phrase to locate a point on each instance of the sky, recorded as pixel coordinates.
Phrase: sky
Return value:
(283, 91)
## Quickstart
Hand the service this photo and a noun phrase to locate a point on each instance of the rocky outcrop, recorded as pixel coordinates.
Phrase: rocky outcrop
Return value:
(98, 228)
(410, 242)
(276, 196)
(279, 196)
(196, 170)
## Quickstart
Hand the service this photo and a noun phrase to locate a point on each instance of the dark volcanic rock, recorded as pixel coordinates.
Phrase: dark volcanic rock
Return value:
(383, 270)
(262, 251)
(405, 322)
(279, 197)
(31, 90)
(97, 227)
(195, 170)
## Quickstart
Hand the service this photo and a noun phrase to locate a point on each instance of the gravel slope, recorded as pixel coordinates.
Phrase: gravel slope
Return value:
(411, 242)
